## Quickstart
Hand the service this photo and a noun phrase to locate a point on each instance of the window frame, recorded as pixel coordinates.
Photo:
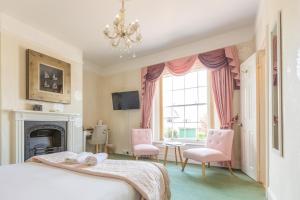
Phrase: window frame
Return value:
(210, 109)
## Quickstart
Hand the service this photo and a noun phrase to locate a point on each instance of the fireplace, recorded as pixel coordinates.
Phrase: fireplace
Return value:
(44, 137)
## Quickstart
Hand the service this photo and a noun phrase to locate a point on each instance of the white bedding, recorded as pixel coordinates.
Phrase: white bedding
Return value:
(35, 181)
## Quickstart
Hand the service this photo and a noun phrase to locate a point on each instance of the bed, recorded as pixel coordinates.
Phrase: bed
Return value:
(46, 178)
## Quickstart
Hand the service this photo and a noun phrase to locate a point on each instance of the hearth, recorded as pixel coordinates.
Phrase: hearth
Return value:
(44, 137)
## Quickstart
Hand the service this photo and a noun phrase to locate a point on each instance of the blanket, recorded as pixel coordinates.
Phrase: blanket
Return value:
(150, 179)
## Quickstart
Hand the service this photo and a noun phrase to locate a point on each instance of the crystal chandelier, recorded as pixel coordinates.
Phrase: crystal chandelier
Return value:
(121, 36)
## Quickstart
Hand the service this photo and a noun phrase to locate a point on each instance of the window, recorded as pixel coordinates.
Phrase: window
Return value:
(185, 105)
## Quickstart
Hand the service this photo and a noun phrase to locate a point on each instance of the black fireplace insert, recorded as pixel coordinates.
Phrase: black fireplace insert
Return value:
(44, 137)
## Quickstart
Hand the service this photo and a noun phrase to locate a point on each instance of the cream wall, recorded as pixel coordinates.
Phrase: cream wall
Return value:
(92, 90)
(16, 37)
(284, 172)
(120, 122)
(97, 102)
(233, 37)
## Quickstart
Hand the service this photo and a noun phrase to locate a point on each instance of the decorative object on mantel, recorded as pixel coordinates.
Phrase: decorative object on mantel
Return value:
(37, 107)
(48, 79)
(123, 37)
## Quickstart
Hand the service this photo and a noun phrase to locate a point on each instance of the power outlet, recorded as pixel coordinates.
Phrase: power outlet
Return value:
(126, 152)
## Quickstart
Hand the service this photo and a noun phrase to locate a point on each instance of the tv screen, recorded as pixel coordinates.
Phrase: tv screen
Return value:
(126, 100)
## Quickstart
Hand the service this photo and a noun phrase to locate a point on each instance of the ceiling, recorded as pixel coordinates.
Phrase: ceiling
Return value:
(164, 23)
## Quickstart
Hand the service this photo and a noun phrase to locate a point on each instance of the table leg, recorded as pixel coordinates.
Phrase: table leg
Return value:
(166, 155)
(175, 155)
(180, 156)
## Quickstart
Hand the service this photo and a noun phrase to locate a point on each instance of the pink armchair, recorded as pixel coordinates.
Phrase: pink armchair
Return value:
(218, 149)
(142, 143)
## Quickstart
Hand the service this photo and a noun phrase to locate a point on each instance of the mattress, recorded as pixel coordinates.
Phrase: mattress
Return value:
(36, 181)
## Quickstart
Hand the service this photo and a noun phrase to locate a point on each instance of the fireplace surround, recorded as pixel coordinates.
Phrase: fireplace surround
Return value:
(45, 125)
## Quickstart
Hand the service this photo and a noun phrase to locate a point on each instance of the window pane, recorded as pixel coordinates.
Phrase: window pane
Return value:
(202, 112)
(202, 78)
(190, 130)
(167, 83)
(201, 132)
(202, 94)
(185, 105)
(191, 96)
(178, 82)
(168, 114)
(191, 114)
(178, 97)
(167, 129)
(191, 80)
(167, 98)
(178, 114)
(178, 130)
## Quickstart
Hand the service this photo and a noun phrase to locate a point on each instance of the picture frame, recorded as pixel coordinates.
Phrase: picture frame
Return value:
(47, 78)
(276, 119)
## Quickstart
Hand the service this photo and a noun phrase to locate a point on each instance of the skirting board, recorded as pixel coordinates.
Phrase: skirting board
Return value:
(270, 195)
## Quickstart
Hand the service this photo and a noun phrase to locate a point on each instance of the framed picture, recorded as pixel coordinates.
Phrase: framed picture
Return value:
(48, 79)
(276, 85)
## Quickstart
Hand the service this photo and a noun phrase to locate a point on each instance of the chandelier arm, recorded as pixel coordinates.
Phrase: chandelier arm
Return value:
(132, 40)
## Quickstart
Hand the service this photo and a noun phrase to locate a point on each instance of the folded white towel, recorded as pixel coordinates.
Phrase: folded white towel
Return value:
(79, 158)
(95, 159)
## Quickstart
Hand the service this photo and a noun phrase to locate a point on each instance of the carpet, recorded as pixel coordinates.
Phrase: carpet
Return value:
(218, 184)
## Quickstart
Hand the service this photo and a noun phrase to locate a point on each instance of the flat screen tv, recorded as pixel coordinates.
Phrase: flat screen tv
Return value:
(126, 100)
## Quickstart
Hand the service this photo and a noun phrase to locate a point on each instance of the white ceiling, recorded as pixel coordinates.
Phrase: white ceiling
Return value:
(164, 23)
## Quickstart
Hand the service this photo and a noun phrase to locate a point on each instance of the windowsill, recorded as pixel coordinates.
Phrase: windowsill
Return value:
(185, 141)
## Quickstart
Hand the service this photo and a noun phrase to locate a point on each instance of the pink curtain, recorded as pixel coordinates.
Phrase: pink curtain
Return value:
(222, 87)
(224, 64)
(214, 60)
(181, 66)
(150, 75)
(222, 80)
(225, 67)
(232, 56)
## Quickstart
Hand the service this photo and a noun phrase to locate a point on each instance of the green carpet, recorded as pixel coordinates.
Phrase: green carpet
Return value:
(218, 184)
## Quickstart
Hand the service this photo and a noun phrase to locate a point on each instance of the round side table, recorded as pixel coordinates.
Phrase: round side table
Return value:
(176, 146)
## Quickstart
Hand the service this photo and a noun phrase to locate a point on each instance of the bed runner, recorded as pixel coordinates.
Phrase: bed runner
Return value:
(150, 179)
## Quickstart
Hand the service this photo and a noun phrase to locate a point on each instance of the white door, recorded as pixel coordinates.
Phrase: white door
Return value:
(248, 117)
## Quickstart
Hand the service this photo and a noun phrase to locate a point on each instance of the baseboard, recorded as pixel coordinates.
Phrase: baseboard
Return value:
(270, 195)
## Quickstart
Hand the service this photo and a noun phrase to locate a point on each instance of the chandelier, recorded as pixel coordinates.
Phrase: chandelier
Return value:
(121, 36)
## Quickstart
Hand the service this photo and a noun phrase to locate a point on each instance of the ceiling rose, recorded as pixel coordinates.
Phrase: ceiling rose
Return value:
(123, 37)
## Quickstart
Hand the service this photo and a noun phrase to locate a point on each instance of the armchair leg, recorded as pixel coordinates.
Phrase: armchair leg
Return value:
(184, 164)
(229, 167)
(136, 157)
(203, 169)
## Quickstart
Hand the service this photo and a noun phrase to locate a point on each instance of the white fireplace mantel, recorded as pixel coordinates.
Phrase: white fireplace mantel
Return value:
(74, 129)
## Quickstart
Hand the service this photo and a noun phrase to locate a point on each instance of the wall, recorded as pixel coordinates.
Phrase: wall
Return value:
(92, 90)
(16, 37)
(206, 44)
(121, 122)
(284, 172)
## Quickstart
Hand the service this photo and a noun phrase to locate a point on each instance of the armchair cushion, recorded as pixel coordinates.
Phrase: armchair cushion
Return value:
(204, 155)
(145, 150)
